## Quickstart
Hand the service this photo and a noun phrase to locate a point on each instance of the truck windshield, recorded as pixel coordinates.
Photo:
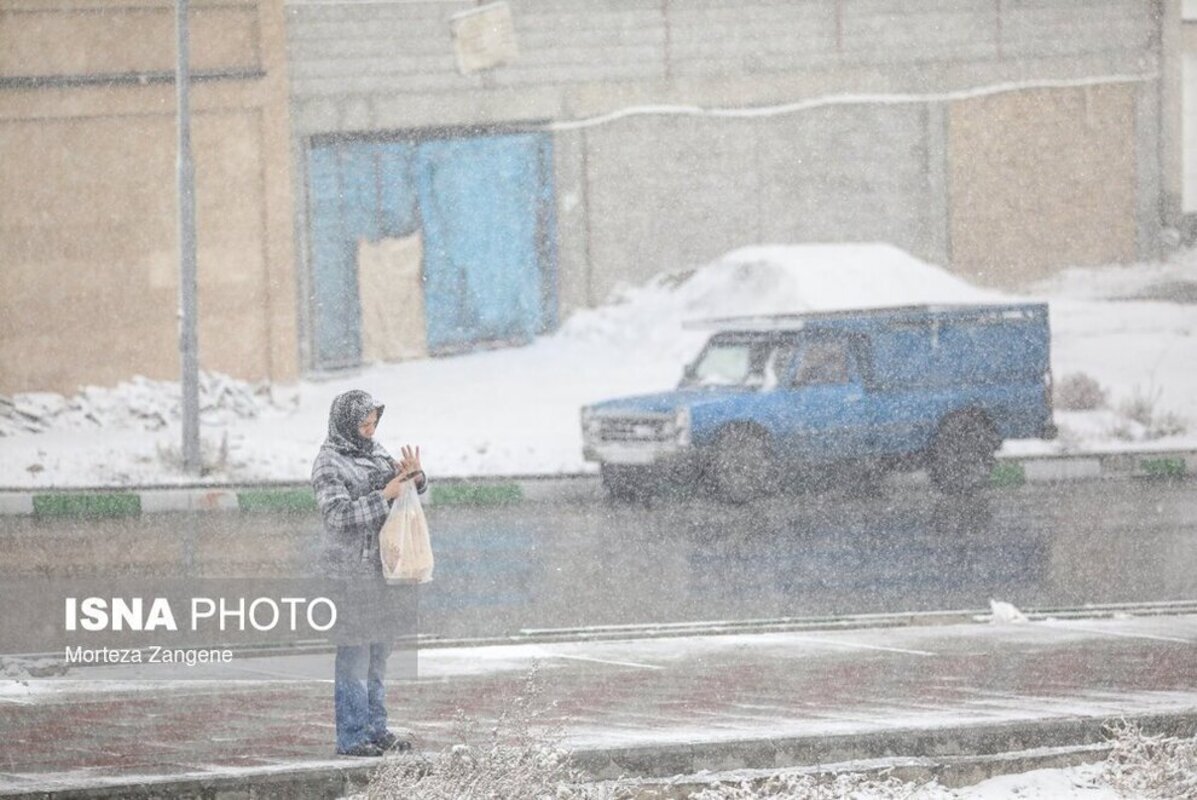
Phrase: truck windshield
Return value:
(738, 363)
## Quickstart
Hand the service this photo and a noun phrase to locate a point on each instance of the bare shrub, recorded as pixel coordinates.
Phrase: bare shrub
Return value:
(1079, 391)
(214, 455)
(1126, 431)
(844, 786)
(519, 758)
(1069, 440)
(1142, 408)
(1167, 424)
(1151, 766)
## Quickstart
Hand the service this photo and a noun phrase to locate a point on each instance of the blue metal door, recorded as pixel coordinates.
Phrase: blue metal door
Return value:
(480, 199)
(359, 190)
(484, 206)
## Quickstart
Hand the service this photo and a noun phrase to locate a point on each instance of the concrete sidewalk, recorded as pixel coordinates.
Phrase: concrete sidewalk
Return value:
(644, 707)
(1010, 471)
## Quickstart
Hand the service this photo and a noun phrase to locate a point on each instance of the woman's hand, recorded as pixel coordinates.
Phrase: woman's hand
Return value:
(406, 469)
(409, 465)
(395, 486)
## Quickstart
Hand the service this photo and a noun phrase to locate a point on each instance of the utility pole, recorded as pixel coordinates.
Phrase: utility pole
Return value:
(188, 339)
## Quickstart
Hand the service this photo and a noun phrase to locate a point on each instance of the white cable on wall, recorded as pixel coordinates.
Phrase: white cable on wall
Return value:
(843, 100)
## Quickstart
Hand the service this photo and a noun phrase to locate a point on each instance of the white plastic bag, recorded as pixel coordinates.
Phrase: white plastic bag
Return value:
(403, 542)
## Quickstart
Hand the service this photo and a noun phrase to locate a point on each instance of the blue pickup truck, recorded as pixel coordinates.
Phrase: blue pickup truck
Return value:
(934, 387)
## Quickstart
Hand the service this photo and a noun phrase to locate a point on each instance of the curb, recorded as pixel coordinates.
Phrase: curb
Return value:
(281, 497)
(1018, 470)
(954, 755)
(326, 780)
(287, 497)
(940, 745)
(953, 772)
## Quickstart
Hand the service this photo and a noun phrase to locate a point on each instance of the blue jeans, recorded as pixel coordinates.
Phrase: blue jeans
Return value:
(359, 696)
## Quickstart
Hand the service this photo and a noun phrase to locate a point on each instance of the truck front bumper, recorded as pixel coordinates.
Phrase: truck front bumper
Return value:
(640, 454)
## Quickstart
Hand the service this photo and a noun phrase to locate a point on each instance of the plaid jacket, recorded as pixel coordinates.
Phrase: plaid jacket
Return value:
(349, 493)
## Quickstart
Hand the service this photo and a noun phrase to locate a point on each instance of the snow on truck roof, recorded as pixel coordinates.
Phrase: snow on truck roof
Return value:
(854, 317)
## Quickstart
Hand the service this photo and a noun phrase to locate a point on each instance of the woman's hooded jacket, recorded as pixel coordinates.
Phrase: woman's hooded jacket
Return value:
(348, 476)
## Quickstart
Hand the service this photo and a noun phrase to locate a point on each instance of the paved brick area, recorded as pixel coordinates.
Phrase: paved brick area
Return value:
(629, 694)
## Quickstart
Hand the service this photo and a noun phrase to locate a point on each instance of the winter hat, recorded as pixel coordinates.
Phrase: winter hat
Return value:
(349, 410)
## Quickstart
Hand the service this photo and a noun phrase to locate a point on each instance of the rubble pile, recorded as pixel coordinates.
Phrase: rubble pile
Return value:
(140, 403)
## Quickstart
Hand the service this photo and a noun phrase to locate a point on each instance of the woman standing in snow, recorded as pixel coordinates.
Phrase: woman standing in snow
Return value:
(355, 481)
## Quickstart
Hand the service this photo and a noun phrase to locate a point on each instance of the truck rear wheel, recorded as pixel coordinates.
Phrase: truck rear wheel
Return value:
(742, 467)
(963, 454)
(625, 483)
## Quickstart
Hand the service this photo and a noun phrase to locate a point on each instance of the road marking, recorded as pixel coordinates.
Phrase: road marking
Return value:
(606, 661)
(1100, 632)
(836, 643)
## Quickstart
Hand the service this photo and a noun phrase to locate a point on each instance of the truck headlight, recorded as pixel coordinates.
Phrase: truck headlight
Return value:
(682, 422)
(590, 424)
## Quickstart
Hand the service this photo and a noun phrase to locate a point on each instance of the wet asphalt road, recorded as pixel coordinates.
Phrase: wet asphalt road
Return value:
(500, 570)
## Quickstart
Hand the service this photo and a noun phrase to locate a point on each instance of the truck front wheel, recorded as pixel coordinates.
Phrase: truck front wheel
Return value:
(963, 454)
(626, 483)
(741, 465)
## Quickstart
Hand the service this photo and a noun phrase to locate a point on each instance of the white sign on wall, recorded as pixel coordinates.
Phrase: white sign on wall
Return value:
(484, 37)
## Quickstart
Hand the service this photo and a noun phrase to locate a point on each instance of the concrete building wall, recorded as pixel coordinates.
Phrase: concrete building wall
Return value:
(88, 223)
(1186, 107)
(699, 190)
(641, 194)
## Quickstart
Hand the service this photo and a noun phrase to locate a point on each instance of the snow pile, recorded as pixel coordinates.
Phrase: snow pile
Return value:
(767, 279)
(1174, 280)
(138, 404)
(1004, 613)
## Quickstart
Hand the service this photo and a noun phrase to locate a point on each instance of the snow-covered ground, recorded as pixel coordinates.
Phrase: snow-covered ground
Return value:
(1072, 783)
(515, 411)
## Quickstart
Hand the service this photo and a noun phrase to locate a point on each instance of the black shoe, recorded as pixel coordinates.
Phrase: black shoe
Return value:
(390, 743)
(362, 750)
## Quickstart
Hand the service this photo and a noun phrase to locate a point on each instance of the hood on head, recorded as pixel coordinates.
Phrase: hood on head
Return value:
(349, 410)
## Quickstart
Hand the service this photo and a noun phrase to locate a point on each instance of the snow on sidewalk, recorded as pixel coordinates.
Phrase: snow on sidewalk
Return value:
(515, 411)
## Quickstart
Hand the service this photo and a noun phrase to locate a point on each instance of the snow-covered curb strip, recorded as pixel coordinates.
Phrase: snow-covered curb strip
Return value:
(277, 498)
(952, 771)
(968, 754)
(1017, 470)
(297, 497)
(990, 749)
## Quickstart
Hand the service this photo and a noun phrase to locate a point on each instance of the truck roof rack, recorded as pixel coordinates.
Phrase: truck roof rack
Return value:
(798, 321)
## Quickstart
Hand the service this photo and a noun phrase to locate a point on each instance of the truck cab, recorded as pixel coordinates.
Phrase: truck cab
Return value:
(937, 387)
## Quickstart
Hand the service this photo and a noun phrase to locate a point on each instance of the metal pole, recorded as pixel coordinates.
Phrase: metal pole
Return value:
(188, 339)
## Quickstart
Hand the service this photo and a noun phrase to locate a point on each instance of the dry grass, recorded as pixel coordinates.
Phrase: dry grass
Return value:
(1151, 766)
(519, 758)
(846, 786)
(1146, 419)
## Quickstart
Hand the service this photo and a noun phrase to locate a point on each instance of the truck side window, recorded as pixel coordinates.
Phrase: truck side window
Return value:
(824, 362)
(776, 366)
